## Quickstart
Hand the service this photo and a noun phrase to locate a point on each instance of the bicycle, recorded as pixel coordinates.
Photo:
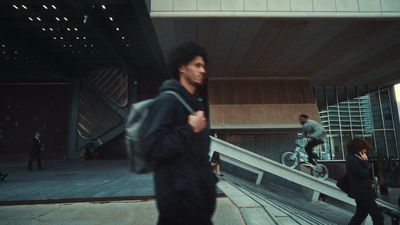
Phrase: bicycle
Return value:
(299, 155)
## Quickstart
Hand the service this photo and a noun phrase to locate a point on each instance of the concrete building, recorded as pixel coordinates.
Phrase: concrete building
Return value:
(70, 70)
(269, 62)
(272, 60)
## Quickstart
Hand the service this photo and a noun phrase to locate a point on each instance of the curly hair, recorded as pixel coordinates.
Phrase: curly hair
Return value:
(355, 145)
(305, 116)
(184, 54)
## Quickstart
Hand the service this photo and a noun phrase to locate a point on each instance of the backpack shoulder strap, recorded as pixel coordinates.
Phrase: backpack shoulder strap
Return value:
(183, 102)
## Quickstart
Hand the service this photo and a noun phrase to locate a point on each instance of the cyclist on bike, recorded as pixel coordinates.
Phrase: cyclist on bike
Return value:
(316, 134)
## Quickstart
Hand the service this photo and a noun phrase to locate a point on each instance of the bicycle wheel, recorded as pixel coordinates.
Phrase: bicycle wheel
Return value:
(290, 159)
(320, 171)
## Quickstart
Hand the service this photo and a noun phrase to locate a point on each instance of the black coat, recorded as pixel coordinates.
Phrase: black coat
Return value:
(184, 181)
(36, 145)
(359, 177)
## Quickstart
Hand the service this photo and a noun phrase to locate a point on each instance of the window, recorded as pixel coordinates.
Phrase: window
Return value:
(369, 117)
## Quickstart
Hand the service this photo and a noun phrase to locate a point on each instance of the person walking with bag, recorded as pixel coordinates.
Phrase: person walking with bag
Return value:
(178, 143)
(360, 185)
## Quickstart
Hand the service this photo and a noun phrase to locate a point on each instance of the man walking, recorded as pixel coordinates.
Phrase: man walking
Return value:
(36, 152)
(316, 134)
(2, 147)
(178, 143)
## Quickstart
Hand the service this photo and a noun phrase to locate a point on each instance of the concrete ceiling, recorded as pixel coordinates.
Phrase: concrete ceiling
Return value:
(42, 40)
(327, 51)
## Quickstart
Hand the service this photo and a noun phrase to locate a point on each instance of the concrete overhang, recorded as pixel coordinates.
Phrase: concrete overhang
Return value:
(328, 42)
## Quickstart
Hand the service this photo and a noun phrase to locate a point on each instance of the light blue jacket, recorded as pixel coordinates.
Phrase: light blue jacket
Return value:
(314, 129)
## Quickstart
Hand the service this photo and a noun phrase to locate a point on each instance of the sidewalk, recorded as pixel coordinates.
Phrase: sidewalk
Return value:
(103, 213)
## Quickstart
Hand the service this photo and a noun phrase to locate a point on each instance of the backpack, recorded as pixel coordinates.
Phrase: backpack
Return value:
(135, 126)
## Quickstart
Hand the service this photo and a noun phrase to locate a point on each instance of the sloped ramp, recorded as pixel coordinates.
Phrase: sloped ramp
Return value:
(267, 207)
(259, 164)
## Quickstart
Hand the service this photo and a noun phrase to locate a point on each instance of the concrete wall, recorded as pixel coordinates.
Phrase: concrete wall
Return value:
(29, 108)
(307, 8)
(270, 144)
(259, 103)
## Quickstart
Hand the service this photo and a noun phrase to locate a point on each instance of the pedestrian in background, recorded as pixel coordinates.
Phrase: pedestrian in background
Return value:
(361, 183)
(35, 153)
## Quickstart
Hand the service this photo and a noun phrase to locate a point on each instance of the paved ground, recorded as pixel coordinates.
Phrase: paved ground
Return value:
(67, 181)
(71, 180)
(100, 213)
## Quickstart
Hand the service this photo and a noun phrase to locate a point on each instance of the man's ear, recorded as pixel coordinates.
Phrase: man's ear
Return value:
(181, 69)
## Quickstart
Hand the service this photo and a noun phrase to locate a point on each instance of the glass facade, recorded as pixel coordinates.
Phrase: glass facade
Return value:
(369, 117)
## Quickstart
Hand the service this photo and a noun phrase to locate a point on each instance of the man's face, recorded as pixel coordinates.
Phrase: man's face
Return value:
(302, 120)
(193, 72)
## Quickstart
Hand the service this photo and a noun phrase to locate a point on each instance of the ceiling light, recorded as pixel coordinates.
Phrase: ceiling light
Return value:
(127, 45)
(117, 28)
(103, 6)
(76, 29)
(85, 46)
(54, 38)
(70, 46)
(16, 7)
(3, 46)
(15, 52)
(51, 29)
(77, 38)
(68, 29)
(58, 19)
(54, 7)
(23, 6)
(44, 6)
(3, 52)
(84, 38)
(64, 46)
(111, 18)
(38, 19)
(123, 37)
(91, 45)
(61, 38)
(43, 29)
(65, 18)
(30, 18)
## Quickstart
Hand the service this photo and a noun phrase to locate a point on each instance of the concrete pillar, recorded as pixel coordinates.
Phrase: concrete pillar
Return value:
(395, 113)
(73, 120)
(309, 193)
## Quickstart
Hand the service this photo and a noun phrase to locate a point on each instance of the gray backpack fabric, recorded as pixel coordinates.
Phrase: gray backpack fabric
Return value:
(134, 129)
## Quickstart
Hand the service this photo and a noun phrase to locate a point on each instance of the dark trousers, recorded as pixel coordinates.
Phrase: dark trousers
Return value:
(187, 198)
(35, 155)
(309, 148)
(365, 207)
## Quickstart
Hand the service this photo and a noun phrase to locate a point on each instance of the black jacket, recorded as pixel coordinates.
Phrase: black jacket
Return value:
(36, 145)
(184, 181)
(359, 177)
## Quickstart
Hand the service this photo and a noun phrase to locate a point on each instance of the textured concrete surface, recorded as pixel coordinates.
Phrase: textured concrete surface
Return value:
(69, 180)
(99, 213)
(64, 181)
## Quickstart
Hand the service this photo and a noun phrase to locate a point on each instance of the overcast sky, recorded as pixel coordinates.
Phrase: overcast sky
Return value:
(397, 89)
